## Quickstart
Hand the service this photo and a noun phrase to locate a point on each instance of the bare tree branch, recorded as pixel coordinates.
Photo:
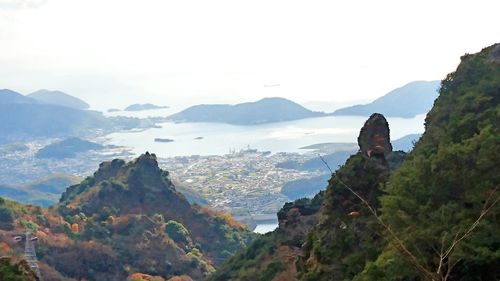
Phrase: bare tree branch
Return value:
(328, 166)
(486, 208)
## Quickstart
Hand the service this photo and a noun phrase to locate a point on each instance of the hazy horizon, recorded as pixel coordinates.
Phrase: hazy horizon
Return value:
(114, 53)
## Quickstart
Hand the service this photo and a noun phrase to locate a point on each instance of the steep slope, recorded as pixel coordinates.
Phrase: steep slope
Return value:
(346, 235)
(450, 180)
(58, 98)
(266, 110)
(446, 183)
(407, 101)
(435, 217)
(275, 255)
(128, 218)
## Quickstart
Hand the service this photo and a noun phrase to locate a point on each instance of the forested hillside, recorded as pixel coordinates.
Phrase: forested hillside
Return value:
(435, 217)
(127, 218)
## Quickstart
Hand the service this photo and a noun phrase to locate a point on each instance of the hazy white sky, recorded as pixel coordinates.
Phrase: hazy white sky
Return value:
(115, 52)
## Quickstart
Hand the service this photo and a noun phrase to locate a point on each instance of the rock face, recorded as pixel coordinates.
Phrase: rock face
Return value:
(374, 138)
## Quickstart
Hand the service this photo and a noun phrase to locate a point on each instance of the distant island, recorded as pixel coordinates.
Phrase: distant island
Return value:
(58, 98)
(331, 147)
(163, 140)
(267, 110)
(26, 117)
(408, 101)
(405, 143)
(141, 107)
(67, 148)
(113, 110)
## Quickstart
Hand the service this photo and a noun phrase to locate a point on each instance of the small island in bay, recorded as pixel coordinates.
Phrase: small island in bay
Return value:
(141, 107)
(198, 138)
(67, 148)
(163, 140)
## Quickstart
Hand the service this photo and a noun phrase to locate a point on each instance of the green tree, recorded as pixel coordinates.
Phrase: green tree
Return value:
(177, 232)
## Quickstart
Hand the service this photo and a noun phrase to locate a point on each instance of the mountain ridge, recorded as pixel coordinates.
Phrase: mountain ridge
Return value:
(12, 97)
(58, 98)
(406, 101)
(24, 118)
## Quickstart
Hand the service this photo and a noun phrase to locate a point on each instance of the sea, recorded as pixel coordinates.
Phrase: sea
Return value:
(219, 139)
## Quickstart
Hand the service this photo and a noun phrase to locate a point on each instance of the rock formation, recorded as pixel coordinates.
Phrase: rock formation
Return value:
(374, 138)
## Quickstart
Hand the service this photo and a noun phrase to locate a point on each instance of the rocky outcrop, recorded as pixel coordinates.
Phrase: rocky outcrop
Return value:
(335, 218)
(374, 138)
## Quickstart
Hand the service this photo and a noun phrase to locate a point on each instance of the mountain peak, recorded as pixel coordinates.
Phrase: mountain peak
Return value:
(128, 218)
(9, 97)
(135, 183)
(407, 101)
(58, 98)
(147, 159)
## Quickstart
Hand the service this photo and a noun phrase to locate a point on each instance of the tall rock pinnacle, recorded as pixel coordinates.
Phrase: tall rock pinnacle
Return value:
(374, 138)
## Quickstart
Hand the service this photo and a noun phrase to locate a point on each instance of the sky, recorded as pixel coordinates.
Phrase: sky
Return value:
(112, 53)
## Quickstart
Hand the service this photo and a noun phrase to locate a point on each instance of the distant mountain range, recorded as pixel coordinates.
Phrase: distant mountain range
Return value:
(10, 97)
(24, 117)
(405, 143)
(408, 101)
(141, 107)
(43, 192)
(267, 110)
(58, 98)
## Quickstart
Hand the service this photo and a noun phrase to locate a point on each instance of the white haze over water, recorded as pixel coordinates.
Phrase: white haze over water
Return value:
(113, 53)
